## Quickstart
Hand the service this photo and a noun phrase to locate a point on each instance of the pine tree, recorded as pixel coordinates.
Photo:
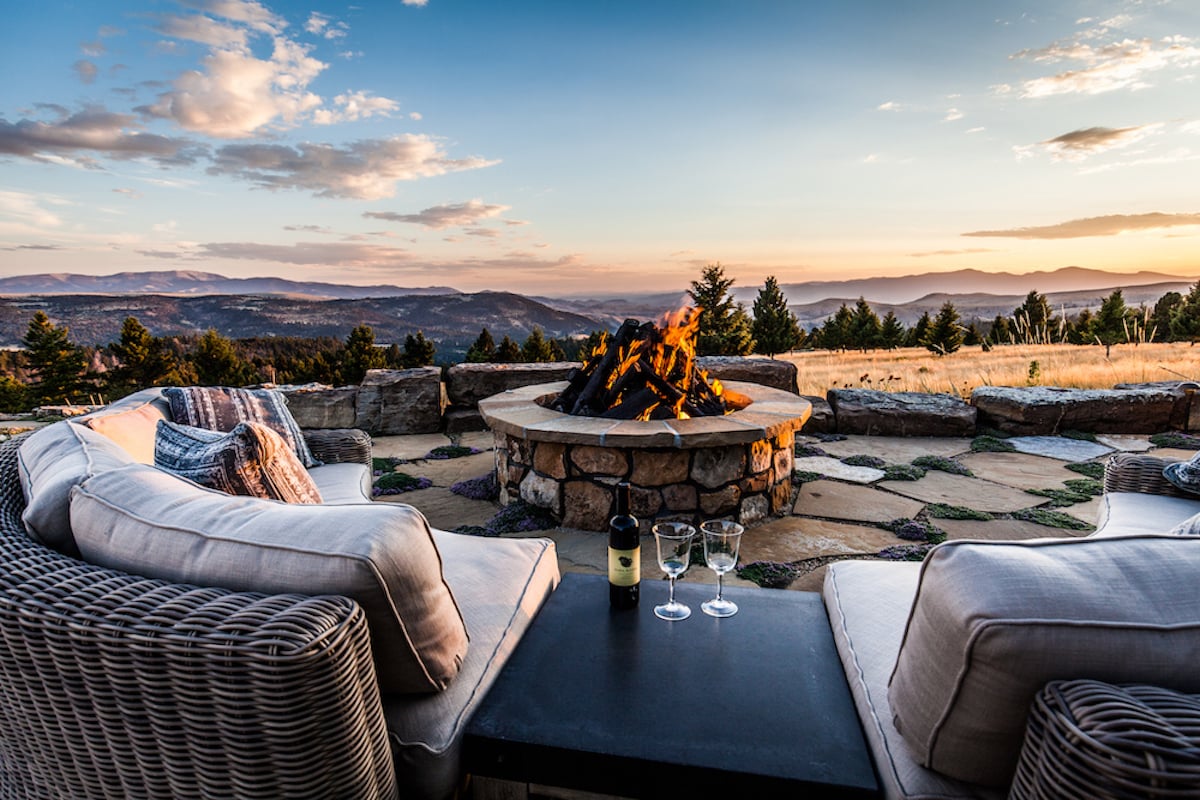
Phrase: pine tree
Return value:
(55, 363)
(1034, 320)
(1080, 330)
(775, 328)
(918, 332)
(1160, 317)
(865, 328)
(14, 395)
(360, 354)
(216, 361)
(535, 348)
(509, 352)
(144, 360)
(1185, 321)
(724, 326)
(971, 336)
(891, 332)
(945, 334)
(1001, 332)
(835, 331)
(483, 349)
(1110, 324)
(418, 351)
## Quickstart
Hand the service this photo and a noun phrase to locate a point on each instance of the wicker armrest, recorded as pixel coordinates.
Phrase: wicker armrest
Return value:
(337, 445)
(1133, 472)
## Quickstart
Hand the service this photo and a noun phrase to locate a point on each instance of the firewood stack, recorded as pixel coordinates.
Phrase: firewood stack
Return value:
(643, 371)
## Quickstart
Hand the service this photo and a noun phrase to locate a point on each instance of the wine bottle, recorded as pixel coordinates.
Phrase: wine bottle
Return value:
(624, 554)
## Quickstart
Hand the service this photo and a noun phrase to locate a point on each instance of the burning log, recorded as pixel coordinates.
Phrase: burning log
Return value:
(644, 371)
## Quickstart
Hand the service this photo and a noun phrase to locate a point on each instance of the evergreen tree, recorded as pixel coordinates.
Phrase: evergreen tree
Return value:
(55, 363)
(1080, 330)
(971, 336)
(1185, 320)
(835, 332)
(945, 334)
(1000, 332)
(1033, 320)
(14, 395)
(724, 326)
(536, 348)
(393, 357)
(360, 354)
(418, 351)
(891, 332)
(865, 328)
(775, 328)
(217, 363)
(143, 360)
(483, 349)
(1110, 324)
(1160, 317)
(509, 352)
(918, 332)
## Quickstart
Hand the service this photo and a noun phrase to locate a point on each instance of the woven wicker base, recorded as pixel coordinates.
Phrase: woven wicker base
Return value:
(1093, 741)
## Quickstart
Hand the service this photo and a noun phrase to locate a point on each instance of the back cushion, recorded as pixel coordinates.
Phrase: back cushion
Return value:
(993, 622)
(49, 463)
(134, 429)
(250, 460)
(220, 408)
(148, 522)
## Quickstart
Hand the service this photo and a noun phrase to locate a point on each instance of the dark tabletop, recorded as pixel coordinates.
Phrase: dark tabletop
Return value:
(625, 703)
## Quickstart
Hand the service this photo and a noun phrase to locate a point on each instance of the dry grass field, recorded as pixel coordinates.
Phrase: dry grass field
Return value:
(917, 370)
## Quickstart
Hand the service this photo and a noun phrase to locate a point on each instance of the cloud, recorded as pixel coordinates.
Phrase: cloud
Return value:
(248, 12)
(335, 254)
(26, 210)
(484, 233)
(320, 24)
(952, 115)
(95, 130)
(130, 193)
(196, 28)
(1110, 225)
(966, 252)
(355, 106)
(1127, 64)
(1079, 144)
(86, 70)
(890, 105)
(33, 247)
(93, 49)
(452, 215)
(414, 2)
(308, 228)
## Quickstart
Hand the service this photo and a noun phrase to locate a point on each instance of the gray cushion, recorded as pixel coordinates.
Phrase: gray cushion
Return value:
(1124, 513)
(868, 603)
(50, 462)
(343, 482)
(500, 584)
(142, 520)
(249, 460)
(220, 408)
(993, 622)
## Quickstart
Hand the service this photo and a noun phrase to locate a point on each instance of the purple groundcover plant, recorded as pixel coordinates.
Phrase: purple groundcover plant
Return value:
(516, 516)
(450, 451)
(397, 483)
(905, 552)
(484, 487)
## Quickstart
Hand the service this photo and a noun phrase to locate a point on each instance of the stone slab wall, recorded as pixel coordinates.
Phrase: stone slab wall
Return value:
(1036, 410)
(577, 483)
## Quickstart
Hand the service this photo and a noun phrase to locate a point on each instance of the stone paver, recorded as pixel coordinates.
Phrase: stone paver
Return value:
(959, 490)
(1089, 512)
(443, 508)
(895, 450)
(481, 440)
(1002, 530)
(832, 468)
(406, 447)
(1176, 453)
(1059, 447)
(798, 538)
(1127, 443)
(1019, 470)
(848, 502)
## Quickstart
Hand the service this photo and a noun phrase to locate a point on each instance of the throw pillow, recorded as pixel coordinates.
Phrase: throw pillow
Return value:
(134, 429)
(251, 459)
(220, 408)
(1184, 474)
(1189, 527)
(145, 521)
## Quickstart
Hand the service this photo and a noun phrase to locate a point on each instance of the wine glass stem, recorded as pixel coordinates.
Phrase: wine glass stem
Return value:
(720, 584)
(671, 596)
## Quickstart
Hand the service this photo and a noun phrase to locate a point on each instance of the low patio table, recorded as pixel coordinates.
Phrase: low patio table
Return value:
(623, 703)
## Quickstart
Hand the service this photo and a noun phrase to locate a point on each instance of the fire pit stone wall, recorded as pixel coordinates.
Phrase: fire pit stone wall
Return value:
(736, 466)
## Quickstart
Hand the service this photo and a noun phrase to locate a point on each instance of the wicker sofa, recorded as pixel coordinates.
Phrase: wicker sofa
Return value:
(116, 685)
(954, 650)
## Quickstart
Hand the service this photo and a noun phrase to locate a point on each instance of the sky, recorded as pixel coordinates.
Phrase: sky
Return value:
(563, 147)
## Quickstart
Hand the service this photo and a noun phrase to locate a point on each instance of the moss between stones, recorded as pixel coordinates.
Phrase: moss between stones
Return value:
(1052, 519)
(874, 462)
(1088, 486)
(809, 451)
(1083, 436)
(802, 476)
(1183, 441)
(516, 516)
(1060, 498)
(905, 552)
(991, 444)
(916, 530)
(902, 472)
(769, 574)
(944, 511)
(397, 482)
(451, 451)
(1089, 468)
(943, 464)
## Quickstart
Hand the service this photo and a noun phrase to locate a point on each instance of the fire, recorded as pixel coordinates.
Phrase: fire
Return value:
(645, 371)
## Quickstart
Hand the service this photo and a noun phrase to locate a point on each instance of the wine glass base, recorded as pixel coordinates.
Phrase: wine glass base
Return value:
(672, 611)
(719, 608)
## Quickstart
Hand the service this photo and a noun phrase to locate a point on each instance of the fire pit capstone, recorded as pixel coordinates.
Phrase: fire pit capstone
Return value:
(738, 465)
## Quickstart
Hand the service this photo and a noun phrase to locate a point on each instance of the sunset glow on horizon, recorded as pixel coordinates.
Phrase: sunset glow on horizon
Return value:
(563, 148)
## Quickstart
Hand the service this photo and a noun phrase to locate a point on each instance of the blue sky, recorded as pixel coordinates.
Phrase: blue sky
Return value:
(598, 147)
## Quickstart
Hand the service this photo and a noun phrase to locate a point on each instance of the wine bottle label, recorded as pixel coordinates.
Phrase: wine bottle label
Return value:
(625, 566)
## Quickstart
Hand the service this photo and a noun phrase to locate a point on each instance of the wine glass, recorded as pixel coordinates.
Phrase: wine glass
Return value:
(721, 540)
(674, 541)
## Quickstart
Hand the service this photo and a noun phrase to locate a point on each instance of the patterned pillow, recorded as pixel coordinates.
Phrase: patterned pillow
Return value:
(1185, 474)
(252, 460)
(220, 408)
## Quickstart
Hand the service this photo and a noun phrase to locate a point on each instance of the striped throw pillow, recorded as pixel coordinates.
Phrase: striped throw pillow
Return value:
(251, 459)
(220, 408)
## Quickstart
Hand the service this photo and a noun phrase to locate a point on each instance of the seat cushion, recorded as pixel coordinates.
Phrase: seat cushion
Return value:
(50, 462)
(133, 428)
(868, 604)
(343, 482)
(993, 622)
(1125, 513)
(250, 460)
(145, 521)
(500, 584)
(220, 408)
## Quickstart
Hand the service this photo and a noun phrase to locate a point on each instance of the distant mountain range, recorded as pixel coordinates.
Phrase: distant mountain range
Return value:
(187, 302)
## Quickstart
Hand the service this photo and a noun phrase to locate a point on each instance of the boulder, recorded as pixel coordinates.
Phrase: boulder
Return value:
(822, 419)
(463, 420)
(467, 384)
(1186, 414)
(322, 407)
(1044, 410)
(875, 413)
(766, 371)
(400, 401)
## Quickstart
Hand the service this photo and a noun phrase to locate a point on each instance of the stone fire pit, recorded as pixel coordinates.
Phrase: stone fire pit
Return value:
(738, 465)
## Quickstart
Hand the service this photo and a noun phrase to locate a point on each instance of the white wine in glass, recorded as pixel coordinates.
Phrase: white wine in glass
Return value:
(721, 541)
